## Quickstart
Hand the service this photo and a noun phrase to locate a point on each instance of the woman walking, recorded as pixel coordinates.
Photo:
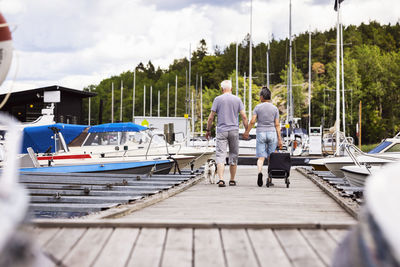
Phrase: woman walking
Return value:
(268, 132)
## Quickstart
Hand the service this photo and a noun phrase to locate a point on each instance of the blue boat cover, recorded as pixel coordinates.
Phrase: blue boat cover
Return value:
(40, 137)
(117, 127)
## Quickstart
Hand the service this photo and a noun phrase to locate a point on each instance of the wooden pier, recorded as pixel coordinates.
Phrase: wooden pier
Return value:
(205, 225)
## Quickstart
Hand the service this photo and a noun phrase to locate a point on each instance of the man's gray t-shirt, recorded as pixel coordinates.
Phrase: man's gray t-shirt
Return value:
(266, 115)
(227, 107)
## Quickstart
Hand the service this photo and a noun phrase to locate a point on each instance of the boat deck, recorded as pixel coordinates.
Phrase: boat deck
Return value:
(207, 226)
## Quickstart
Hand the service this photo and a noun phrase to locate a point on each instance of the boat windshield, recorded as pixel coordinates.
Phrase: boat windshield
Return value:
(380, 147)
(109, 138)
(116, 138)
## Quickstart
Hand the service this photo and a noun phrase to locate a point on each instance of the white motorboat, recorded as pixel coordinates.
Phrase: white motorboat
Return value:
(335, 164)
(356, 175)
(111, 143)
(387, 151)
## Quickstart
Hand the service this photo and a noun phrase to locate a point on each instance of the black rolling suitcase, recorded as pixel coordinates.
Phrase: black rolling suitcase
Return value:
(279, 167)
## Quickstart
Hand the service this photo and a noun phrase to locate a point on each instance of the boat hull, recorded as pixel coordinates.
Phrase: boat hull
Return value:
(159, 167)
(356, 179)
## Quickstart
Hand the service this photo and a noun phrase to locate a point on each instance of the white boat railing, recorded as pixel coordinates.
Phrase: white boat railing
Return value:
(151, 140)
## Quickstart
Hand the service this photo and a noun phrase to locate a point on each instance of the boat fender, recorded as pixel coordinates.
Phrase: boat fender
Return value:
(5, 48)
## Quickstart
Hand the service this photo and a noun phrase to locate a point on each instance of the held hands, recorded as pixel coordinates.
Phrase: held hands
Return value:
(246, 135)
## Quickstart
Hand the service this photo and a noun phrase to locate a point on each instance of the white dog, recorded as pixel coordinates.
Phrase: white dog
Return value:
(209, 171)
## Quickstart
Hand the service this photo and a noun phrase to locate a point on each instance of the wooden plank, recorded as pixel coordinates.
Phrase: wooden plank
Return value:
(267, 248)
(148, 249)
(208, 248)
(178, 248)
(322, 243)
(120, 243)
(63, 242)
(44, 235)
(89, 222)
(63, 192)
(96, 181)
(69, 207)
(106, 175)
(131, 188)
(81, 199)
(338, 234)
(88, 247)
(297, 249)
(237, 248)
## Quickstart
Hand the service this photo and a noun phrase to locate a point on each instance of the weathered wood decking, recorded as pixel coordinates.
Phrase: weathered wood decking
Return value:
(188, 246)
(209, 226)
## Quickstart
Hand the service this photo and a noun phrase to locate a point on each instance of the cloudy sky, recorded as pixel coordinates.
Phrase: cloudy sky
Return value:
(75, 43)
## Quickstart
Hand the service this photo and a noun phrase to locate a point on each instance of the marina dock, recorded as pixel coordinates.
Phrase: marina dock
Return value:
(204, 225)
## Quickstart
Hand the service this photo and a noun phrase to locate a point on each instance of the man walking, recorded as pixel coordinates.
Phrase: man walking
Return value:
(227, 107)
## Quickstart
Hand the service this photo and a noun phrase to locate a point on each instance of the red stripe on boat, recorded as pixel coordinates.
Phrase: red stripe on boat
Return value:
(5, 34)
(82, 156)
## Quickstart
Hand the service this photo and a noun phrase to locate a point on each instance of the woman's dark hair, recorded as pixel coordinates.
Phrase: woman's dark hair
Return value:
(265, 93)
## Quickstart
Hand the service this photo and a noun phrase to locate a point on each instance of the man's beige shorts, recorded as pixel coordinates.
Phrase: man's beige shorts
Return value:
(225, 139)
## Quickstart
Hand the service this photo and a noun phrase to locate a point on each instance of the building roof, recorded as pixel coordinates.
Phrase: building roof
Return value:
(82, 94)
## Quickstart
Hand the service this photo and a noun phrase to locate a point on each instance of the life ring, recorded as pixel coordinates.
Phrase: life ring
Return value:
(6, 49)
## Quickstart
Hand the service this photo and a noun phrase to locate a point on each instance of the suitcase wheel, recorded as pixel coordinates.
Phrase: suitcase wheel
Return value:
(269, 180)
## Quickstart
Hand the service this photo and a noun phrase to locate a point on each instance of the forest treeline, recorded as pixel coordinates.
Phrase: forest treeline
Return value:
(371, 70)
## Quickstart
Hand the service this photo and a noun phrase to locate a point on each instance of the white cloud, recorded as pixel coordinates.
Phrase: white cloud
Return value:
(77, 43)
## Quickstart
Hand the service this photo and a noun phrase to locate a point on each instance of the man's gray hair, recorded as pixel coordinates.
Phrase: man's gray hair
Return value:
(226, 85)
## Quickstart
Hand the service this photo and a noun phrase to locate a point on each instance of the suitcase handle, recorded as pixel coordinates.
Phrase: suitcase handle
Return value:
(284, 149)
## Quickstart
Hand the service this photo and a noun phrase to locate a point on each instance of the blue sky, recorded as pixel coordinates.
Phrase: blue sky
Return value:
(75, 43)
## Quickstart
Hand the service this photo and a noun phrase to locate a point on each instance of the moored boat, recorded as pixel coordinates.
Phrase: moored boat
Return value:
(136, 167)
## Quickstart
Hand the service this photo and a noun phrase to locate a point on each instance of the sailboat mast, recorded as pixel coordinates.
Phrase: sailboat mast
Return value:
(291, 108)
(343, 90)
(176, 92)
(192, 117)
(190, 71)
(168, 100)
(112, 102)
(338, 78)
(186, 94)
(144, 100)
(133, 95)
(201, 105)
(237, 66)
(250, 57)
(151, 100)
(158, 109)
(122, 94)
(309, 81)
(268, 65)
(89, 110)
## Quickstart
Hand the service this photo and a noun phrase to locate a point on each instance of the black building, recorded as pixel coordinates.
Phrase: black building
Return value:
(27, 105)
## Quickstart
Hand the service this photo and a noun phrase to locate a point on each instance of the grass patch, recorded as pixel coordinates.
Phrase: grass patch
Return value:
(367, 148)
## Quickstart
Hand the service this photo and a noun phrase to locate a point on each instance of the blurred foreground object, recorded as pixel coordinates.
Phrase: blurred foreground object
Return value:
(375, 241)
(16, 248)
